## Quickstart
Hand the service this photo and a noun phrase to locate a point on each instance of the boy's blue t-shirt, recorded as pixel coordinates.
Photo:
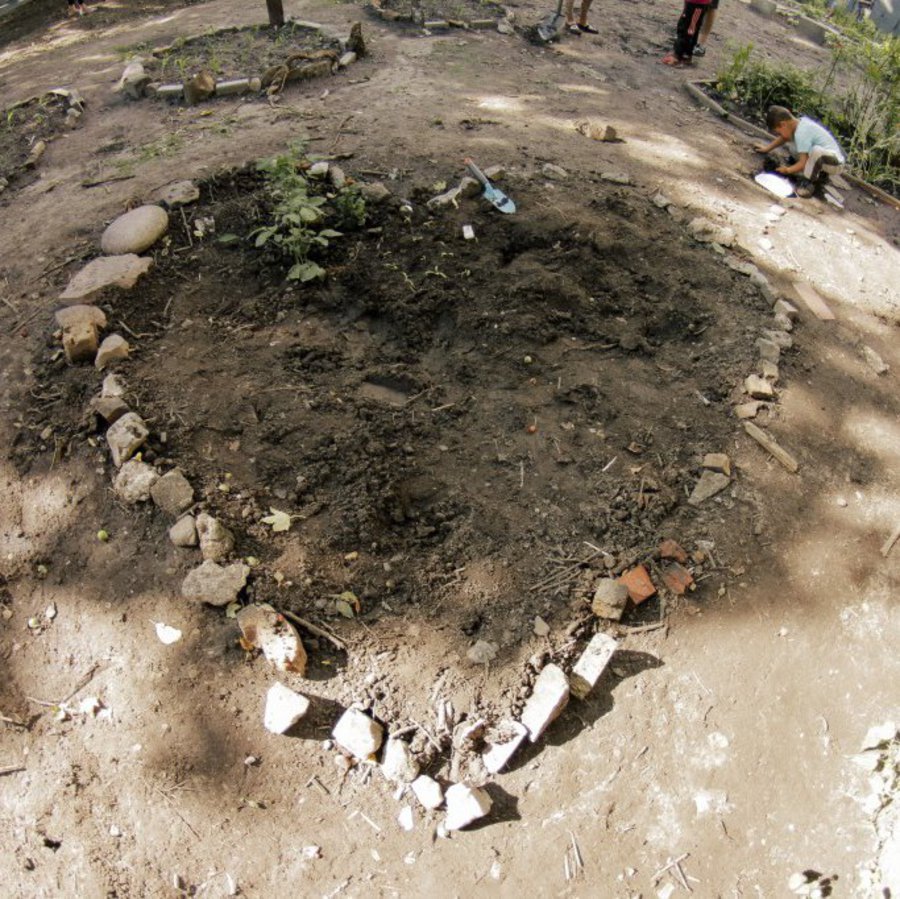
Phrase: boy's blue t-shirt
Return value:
(811, 134)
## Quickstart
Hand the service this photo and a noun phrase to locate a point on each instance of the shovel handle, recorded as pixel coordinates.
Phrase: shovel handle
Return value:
(470, 165)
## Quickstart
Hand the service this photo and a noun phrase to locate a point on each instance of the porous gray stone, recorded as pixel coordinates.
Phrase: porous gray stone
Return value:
(184, 532)
(173, 493)
(125, 437)
(134, 481)
(216, 541)
(113, 348)
(215, 584)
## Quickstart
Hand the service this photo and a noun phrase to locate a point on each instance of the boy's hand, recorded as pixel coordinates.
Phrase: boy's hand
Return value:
(761, 148)
(783, 170)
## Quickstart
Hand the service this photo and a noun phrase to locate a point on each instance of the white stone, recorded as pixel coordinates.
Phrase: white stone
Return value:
(592, 664)
(428, 791)
(465, 805)
(173, 493)
(511, 735)
(184, 532)
(135, 231)
(106, 271)
(758, 388)
(358, 734)
(125, 437)
(398, 763)
(406, 819)
(318, 170)
(113, 348)
(216, 541)
(616, 177)
(554, 172)
(215, 584)
(540, 627)
(133, 81)
(112, 386)
(134, 481)
(548, 698)
(284, 708)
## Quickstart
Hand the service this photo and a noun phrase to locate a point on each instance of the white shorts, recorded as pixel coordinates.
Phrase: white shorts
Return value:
(821, 160)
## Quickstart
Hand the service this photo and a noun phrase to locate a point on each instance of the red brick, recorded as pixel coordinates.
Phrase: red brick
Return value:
(678, 579)
(638, 584)
(669, 549)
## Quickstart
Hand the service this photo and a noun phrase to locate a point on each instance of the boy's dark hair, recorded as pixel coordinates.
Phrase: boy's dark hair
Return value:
(776, 115)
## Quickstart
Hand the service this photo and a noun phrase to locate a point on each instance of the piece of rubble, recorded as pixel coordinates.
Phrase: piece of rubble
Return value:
(318, 170)
(783, 307)
(135, 231)
(710, 483)
(469, 188)
(215, 584)
(504, 742)
(814, 302)
(549, 697)
(759, 388)
(80, 342)
(199, 87)
(747, 410)
(184, 531)
(554, 172)
(880, 734)
(112, 386)
(705, 231)
(263, 627)
(670, 549)
(591, 664)
(428, 791)
(173, 493)
(134, 481)
(109, 408)
(637, 582)
(677, 578)
(347, 59)
(482, 653)
(768, 350)
(284, 708)
(216, 541)
(540, 627)
(375, 193)
(610, 599)
(358, 734)
(177, 194)
(106, 271)
(337, 176)
(771, 445)
(126, 436)
(133, 81)
(769, 371)
(781, 339)
(874, 361)
(465, 805)
(406, 819)
(661, 200)
(398, 762)
(113, 348)
(716, 462)
(615, 177)
(448, 198)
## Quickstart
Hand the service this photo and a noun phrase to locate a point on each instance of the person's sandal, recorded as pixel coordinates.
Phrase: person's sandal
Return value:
(588, 29)
(573, 29)
(699, 50)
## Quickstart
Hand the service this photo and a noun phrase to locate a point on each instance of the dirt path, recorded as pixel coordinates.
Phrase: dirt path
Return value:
(725, 737)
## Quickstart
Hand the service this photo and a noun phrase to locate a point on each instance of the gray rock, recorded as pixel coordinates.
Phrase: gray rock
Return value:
(178, 193)
(109, 408)
(769, 371)
(318, 170)
(505, 27)
(337, 177)
(783, 322)
(112, 386)
(216, 541)
(758, 387)
(358, 734)
(783, 307)
(482, 652)
(661, 200)
(616, 177)
(113, 348)
(741, 266)
(465, 805)
(705, 231)
(747, 410)
(768, 350)
(554, 172)
(781, 339)
(133, 81)
(548, 698)
(215, 584)
(184, 532)
(375, 193)
(125, 437)
(399, 764)
(106, 271)
(135, 231)
(495, 172)
(470, 187)
(134, 481)
(710, 483)
(173, 493)
(610, 599)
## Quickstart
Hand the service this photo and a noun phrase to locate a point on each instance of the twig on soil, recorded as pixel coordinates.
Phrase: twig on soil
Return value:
(431, 739)
(13, 722)
(181, 817)
(644, 628)
(187, 229)
(107, 180)
(671, 863)
(609, 464)
(86, 678)
(10, 303)
(135, 335)
(315, 629)
(590, 346)
(315, 780)
(11, 769)
(888, 544)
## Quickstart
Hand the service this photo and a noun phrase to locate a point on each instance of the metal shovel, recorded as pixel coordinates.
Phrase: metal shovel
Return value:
(549, 29)
(495, 197)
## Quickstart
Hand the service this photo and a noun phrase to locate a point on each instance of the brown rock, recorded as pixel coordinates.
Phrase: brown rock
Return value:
(678, 579)
(669, 549)
(637, 582)
(106, 271)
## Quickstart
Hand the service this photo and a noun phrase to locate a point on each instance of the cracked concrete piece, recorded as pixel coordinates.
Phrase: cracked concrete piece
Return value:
(173, 493)
(591, 664)
(125, 437)
(548, 698)
(215, 584)
(710, 483)
(358, 734)
(106, 271)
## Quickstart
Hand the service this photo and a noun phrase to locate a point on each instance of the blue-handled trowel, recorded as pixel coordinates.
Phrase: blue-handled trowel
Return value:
(493, 195)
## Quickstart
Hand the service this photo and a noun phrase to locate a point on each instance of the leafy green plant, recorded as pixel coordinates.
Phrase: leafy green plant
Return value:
(350, 208)
(295, 231)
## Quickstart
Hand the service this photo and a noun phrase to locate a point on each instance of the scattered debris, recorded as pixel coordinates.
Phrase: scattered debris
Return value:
(504, 741)
(772, 446)
(262, 627)
(549, 697)
(637, 581)
(591, 665)
(669, 549)
(215, 584)
(284, 708)
(465, 805)
(358, 734)
(428, 791)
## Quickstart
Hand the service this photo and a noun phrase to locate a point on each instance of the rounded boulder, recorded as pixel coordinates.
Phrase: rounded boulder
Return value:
(135, 231)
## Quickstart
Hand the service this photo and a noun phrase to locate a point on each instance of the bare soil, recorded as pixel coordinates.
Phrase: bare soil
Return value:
(40, 119)
(441, 477)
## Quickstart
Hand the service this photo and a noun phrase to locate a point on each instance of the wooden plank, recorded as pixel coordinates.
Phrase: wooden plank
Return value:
(814, 302)
(772, 446)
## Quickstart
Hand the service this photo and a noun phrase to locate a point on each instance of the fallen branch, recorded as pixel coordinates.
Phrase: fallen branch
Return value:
(315, 629)
(11, 769)
(895, 536)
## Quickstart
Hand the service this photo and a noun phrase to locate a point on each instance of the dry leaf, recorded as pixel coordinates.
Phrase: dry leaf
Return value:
(280, 521)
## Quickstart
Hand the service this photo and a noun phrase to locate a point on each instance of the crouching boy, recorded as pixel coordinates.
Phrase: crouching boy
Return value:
(815, 151)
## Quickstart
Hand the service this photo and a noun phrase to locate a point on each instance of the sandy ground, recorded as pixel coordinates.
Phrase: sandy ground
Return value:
(725, 738)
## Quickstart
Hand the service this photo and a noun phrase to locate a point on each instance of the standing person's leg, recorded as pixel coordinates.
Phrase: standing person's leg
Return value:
(686, 33)
(72, 9)
(583, 18)
(708, 19)
(571, 24)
